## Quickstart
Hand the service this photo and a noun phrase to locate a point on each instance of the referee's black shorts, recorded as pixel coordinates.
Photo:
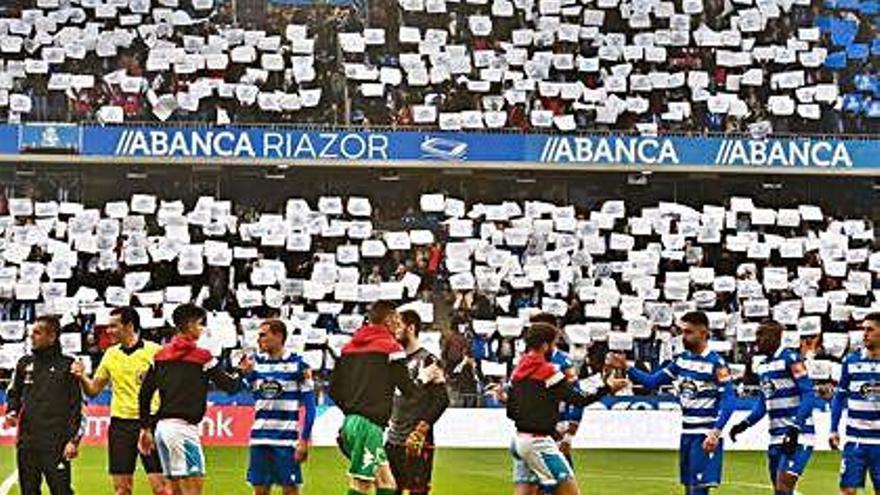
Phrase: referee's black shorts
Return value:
(123, 448)
(412, 473)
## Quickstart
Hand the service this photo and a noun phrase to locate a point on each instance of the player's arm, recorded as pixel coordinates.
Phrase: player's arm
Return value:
(728, 397)
(15, 392)
(74, 410)
(838, 401)
(437, 402)
(92, 386)
(308, 407)
(758, 411)
(807, 393)
(655, 380)
(227, 382)
(565, 391)
(400, 378)
(145, 397)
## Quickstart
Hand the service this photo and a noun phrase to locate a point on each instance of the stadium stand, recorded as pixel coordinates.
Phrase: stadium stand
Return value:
(645, 65)
(616, 277)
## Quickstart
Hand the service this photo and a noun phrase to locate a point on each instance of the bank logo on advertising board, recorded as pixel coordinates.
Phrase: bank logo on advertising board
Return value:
(783, 153)
(610, 150)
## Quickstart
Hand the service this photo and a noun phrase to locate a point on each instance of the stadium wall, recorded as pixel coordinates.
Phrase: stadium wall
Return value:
(475, 428)
(145, 144)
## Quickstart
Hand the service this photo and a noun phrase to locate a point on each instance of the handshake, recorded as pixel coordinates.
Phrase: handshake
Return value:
(615, 372)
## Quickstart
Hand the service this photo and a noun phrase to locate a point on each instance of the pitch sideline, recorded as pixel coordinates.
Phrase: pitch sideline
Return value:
(8, 483)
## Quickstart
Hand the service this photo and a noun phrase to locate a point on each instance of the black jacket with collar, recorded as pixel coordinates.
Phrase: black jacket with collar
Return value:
(47, 399)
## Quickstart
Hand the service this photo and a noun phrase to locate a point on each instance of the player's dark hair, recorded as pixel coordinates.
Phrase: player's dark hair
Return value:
(128, 316)
(187, 314)
(51, 322)
(277, 327)
(380, 311)
(771, 326)
(539, 334)
(873, 317)
(542, 317)
(410, 317)
(696, 318)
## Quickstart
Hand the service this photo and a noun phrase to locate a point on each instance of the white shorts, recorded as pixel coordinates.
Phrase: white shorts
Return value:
(538, 461)
(180, 449)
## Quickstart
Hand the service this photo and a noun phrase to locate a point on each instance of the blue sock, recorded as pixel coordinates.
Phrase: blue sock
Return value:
(699, 491)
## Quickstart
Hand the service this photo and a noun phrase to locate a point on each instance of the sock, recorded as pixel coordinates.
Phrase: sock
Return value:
(778, 492)
(699, 491)
(352, 491)
(385, 491)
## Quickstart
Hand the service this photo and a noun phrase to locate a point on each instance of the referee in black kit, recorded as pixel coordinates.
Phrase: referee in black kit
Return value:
(45, 402)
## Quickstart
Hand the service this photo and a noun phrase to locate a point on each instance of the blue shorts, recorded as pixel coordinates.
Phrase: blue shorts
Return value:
(697, 468)
(784, 463)
(859, 459)
(270, 465)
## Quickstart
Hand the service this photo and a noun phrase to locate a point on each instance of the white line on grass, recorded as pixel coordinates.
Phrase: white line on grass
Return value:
(8, 483)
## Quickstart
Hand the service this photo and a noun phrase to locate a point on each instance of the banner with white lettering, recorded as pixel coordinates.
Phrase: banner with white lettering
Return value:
(279, 143)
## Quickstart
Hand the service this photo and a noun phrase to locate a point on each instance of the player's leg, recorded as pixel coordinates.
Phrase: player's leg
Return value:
(704, 469)
(774, 455)
(543, 457)
(358, 435)
(853, 469)
(56, 470)
(421, 470)
(30, 476)
(286, 472)
(873, 454)
(191, 485)
(400, 465)
(159, 484)
(525, 481)
(122, 451)
(385, 482)
(258, 470)
(791, 468)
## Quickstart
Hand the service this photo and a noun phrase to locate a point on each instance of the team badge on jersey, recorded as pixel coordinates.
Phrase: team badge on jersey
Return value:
(688, 389)
(269, 389)
(871, 391)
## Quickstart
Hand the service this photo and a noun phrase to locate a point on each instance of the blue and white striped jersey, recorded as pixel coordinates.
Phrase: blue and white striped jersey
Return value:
(700, 380)
(859, 392)
(284, 395)
(787, 396)
(704, 389)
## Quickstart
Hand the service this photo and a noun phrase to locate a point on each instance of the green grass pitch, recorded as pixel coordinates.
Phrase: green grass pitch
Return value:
(477, 472)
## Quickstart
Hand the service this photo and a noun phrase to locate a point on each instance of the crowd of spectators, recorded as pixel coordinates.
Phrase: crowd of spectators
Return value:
(804, 66)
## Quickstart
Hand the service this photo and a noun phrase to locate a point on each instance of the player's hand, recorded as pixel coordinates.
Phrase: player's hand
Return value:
(146, 443)
(71, 451)
(78, 369)
(429, 374)
(616, 384)
(790, 442)
(301, 454)
(246, 365)
(10, 420)
(711, 441)
(737, 430)
(415, 442)
(834, 441)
